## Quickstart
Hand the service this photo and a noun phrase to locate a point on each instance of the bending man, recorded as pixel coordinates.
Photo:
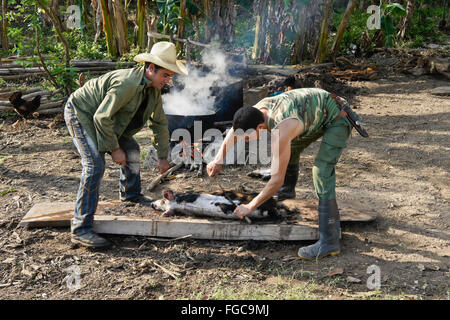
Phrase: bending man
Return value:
(102, 117)
(295, 119)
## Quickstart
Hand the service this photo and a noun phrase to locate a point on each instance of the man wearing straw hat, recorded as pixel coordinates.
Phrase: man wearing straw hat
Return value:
(102, 117)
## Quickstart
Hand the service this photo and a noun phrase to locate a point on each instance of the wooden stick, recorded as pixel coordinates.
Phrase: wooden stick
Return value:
(51, 111)
(174, 274)
(163, 36)
(159, 178)
(8, 92)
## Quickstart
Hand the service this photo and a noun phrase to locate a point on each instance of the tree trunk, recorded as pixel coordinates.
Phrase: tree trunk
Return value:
(260, 30)
(407, 20)
(4, 35)
(180, 31)
(85, 15)
(326, 21)
(141, 6)
(108, 29)
(307, 32)
(208, 21)
(341, 29)
(121, 27)
(224, 17)
(98, 18)
(151, 27)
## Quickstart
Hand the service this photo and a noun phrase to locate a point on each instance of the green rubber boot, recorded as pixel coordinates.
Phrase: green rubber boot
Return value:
(287, 191)
(329, 229)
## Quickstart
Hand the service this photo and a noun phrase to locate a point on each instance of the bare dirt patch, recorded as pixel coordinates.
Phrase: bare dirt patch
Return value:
(401, 172)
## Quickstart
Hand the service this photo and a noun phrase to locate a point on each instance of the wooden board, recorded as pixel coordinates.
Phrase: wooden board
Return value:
(60, 214)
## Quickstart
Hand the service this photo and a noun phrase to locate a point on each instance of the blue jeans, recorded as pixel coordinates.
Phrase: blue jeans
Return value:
(93, 163)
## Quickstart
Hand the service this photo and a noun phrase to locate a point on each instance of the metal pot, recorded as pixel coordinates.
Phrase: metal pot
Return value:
(177, 121)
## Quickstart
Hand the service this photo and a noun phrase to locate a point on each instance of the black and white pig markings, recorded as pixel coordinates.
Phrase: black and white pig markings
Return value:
(212, 205)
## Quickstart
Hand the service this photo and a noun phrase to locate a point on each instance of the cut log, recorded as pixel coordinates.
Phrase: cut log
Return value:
(52, 111)
(441, 91)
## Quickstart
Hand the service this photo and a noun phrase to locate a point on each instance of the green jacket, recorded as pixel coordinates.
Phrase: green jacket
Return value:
(106, 105)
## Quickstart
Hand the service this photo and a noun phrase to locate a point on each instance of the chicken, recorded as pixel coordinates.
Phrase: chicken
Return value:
(24, 108)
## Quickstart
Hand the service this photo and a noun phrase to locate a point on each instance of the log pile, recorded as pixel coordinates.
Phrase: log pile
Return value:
(416, 62)
(49, 104)
(347, 70)
(10, 70)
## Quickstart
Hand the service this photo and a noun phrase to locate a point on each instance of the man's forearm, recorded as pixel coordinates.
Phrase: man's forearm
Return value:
(272, 186)
(227, 144)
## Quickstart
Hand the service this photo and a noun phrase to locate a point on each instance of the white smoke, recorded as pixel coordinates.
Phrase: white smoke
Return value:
(195, 98)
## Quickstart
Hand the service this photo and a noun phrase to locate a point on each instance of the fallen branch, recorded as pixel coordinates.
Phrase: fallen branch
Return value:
(173, 274)
(159, 178)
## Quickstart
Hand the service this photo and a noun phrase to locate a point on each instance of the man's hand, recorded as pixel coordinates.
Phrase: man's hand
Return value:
(243, 210)
(213, 169)
(163, 165)
(118, 156)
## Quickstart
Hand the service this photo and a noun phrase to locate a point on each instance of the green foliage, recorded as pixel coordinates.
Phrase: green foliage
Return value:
(134, 50)
(169, 16)
(424, 26)
(21, 21)
(357, 25)
(390, 13)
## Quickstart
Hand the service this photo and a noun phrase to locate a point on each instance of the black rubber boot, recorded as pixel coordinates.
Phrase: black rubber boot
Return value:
(329, 229)
(287, 191)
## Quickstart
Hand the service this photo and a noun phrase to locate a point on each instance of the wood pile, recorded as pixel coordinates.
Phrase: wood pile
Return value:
(347, 70)
(52, 102)
(11, 70)
(49, 104)
(417, 62)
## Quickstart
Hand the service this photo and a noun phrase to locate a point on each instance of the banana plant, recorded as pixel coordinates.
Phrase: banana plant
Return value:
(169, 16)
(389, 13)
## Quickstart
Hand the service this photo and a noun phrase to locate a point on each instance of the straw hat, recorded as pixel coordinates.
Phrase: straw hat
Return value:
(163, 54)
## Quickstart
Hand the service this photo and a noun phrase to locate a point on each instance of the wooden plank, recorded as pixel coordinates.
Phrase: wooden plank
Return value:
(55, 214)
(204, 229)
(306, 228)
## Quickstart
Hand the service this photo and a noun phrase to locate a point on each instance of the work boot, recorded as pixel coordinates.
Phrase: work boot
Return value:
(140, 198)
(329, 231)
(287, 191)
(90, 239)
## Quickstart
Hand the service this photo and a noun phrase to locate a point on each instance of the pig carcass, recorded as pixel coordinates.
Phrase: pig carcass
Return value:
(212, 205)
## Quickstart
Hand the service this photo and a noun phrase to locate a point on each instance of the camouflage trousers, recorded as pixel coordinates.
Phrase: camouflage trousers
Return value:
(334, 138)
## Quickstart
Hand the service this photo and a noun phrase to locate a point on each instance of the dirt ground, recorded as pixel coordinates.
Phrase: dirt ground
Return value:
(401, 172)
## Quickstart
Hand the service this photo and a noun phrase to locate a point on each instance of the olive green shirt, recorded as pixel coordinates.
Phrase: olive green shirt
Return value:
(312, 106)
(106, 105)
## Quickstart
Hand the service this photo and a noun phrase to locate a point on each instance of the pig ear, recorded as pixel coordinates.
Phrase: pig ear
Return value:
(168, 194)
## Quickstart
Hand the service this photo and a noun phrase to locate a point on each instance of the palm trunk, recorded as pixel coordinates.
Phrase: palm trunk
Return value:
(260, 30)
(108, 29)
(4, 35)
(121, 27)
(180, 32)
(326, 21)
(341, 29)
(141, 6)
